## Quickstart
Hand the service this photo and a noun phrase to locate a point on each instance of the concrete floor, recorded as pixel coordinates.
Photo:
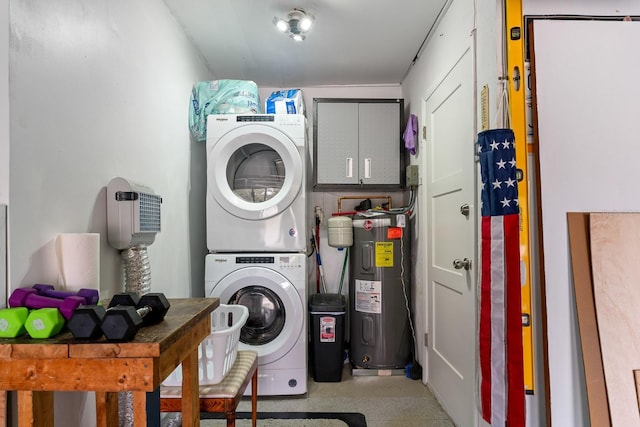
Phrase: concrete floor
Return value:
(389, 401)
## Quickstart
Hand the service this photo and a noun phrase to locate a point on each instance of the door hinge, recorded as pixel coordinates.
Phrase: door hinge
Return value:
(424, 133)
(426, 339)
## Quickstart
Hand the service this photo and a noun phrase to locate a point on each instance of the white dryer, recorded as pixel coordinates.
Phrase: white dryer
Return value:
(273, 286)
(257, 183)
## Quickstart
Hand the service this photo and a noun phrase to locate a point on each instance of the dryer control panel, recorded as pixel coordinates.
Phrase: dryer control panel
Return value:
(282, 262)
(255, 260)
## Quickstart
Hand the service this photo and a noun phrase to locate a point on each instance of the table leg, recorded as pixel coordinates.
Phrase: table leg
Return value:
(35, 408)
(190, 391)
(3, 408)
(153, 407)
(107, 409)
(254, 398)
(139, 408)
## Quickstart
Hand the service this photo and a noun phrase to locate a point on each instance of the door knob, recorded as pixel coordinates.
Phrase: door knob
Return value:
(462, 263)
(464, 209)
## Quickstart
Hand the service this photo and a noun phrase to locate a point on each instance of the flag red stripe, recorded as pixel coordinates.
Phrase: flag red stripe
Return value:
(501, 232)
(485, 321)
(515, 369)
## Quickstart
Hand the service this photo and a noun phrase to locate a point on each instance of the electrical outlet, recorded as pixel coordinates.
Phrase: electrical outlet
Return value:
(413, 179)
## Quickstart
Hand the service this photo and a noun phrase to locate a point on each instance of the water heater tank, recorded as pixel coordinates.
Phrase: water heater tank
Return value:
(380, 292)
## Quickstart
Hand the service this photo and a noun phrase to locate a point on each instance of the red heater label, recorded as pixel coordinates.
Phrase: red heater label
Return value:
(394, 233)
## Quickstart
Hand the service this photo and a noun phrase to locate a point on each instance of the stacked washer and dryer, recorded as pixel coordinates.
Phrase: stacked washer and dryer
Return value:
(257, 222)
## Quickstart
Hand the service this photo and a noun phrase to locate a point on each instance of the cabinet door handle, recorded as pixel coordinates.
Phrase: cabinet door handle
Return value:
(367, 168)
(349, 167)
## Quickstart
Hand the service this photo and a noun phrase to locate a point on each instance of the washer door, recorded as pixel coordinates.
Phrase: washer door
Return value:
(276, 315)
(254, 172)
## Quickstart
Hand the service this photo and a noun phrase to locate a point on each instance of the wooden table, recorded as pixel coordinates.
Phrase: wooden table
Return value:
(37, 368)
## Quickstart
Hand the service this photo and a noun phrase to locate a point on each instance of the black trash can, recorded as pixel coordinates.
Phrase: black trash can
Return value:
(327, 312)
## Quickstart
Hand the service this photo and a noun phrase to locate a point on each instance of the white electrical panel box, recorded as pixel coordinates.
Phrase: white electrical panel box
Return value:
(133, 214)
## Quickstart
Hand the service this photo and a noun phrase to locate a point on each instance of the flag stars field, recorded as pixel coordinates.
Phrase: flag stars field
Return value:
(505, 202)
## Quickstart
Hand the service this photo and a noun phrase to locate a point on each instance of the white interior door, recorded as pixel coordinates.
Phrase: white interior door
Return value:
(451, 236)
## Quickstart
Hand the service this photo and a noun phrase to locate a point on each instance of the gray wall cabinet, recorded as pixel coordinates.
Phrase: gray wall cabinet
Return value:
(358, 144)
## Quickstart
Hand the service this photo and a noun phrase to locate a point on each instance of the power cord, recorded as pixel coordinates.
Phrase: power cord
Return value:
(415, 371)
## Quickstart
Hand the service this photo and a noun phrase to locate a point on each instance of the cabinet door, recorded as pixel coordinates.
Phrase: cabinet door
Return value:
(379, 136)
(337, 143)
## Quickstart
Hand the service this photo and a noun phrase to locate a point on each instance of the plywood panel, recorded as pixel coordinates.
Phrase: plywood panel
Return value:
(579, 245)
(615, 250)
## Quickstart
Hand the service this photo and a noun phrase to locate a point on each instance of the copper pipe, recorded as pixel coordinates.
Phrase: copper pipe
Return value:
(360, 198)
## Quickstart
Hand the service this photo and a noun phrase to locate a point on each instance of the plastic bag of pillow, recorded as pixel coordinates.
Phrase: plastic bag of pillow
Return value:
(220, 97)
(285, 102)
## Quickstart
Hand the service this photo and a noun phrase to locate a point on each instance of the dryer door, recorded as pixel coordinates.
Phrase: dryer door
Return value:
(254, 172)
(276, 315)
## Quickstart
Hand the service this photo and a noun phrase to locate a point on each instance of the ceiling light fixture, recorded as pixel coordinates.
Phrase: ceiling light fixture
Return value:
(297, 24)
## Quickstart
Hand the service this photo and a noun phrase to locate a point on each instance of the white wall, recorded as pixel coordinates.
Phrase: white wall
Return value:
(101, 89)
(4, 143)
(568, 399)
(580, 7)
(4, 102)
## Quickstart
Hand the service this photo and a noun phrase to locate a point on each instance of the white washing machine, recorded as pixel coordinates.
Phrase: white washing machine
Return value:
(273, 286)
(257, 183)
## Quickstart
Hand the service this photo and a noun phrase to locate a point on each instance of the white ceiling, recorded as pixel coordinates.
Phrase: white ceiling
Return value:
(352, 41)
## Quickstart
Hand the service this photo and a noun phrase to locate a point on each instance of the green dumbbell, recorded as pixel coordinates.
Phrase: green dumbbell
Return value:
(44, 323)
(12, 321)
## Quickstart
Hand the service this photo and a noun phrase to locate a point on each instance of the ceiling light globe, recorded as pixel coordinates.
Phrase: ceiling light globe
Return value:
(281, 24)
(305, 23)
(297, 37)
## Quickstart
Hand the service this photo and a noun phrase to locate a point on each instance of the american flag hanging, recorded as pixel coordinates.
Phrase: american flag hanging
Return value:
(500, 330)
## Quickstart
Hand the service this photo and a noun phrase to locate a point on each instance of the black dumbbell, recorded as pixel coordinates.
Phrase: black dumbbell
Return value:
(87, 319)
(121, 322)
(86, 322)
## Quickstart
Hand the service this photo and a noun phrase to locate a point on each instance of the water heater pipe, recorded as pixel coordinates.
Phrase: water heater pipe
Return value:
(388, 198)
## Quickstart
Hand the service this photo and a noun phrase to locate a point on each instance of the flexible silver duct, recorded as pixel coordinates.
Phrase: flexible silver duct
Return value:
(137, 279)
(137, 270)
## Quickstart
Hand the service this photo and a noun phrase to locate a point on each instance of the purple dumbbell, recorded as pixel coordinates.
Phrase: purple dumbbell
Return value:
(91, 296)
(28, 297)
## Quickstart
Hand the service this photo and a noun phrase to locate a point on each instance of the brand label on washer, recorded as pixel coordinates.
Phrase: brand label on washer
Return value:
(327, 329)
